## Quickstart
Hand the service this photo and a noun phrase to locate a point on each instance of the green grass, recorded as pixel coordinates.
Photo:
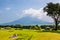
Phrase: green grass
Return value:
(29, 35)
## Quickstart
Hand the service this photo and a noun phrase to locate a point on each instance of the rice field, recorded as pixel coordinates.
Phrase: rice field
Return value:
(27, 34)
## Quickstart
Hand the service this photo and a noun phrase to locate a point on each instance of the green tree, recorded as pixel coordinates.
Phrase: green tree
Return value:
(18, 26)
(53, 10)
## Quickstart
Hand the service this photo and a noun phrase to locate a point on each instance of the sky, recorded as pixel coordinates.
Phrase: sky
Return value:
(11, 10)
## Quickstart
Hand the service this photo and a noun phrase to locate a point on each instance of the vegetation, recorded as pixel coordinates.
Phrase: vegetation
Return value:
(30, 32)
(34, 27)
(53, 10)
(27, 34)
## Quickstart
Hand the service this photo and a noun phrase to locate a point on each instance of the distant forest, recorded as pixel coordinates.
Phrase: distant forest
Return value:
(36, 27)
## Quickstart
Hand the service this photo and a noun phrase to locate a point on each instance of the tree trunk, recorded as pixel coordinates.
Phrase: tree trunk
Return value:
(56, 25)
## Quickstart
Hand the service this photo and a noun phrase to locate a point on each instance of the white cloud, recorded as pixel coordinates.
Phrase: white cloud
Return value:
(39, 14)
(20, 15)
(56, 1)
(8, 8)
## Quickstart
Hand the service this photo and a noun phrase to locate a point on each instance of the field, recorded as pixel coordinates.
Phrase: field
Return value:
(27, 34)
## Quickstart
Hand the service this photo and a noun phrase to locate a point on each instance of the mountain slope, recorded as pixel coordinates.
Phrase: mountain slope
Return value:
(28, 20)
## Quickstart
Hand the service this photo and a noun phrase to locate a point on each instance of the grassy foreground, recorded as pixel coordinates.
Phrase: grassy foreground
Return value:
(26, 34)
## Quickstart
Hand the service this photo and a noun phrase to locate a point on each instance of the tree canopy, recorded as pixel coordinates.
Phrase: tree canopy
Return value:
(53, 10)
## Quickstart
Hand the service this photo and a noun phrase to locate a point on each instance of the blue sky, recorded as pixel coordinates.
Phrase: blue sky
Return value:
(11, 10)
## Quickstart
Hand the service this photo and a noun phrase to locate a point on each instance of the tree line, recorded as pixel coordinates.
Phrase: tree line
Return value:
(36, 27)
